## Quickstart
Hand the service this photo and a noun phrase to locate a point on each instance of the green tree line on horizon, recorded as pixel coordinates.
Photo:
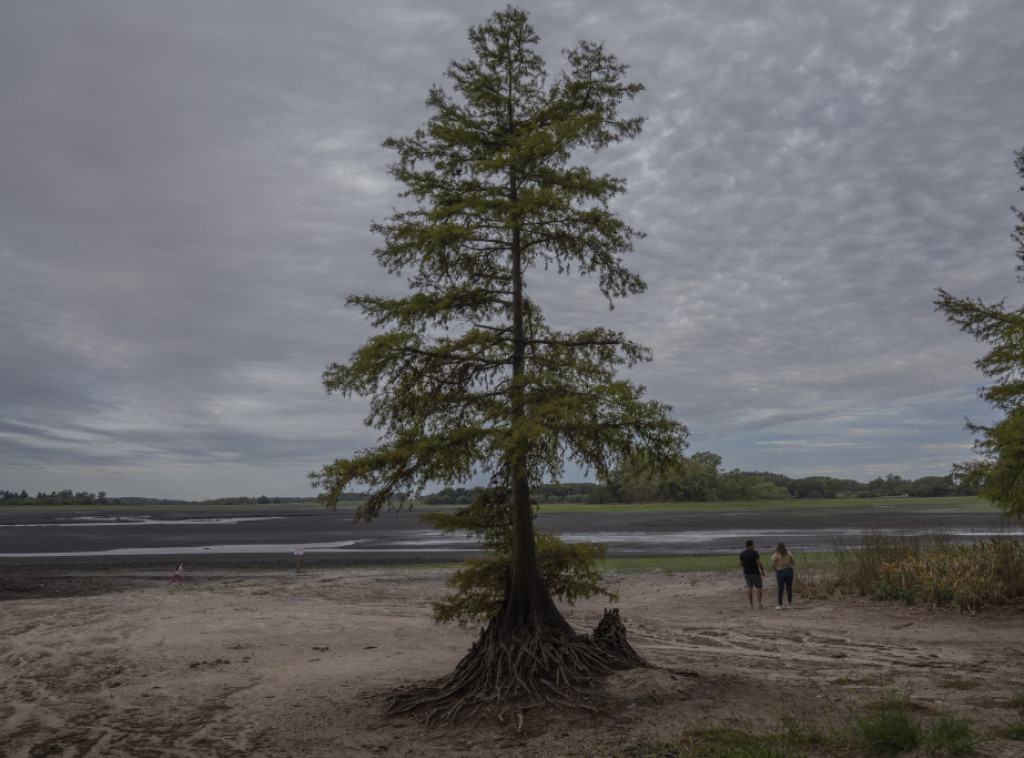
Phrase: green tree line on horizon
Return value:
(70, 497)
(699, 480)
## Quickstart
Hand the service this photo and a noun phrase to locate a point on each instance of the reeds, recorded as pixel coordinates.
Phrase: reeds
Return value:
(930, 569)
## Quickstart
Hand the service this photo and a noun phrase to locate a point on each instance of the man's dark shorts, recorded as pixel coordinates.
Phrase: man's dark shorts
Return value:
(753, 580)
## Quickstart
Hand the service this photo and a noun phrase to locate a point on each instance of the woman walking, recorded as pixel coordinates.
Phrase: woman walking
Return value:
(782, 563)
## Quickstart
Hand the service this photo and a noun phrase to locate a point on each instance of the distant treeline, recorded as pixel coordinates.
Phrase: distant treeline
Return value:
(699, 479)
(70, 497)
(735, 485)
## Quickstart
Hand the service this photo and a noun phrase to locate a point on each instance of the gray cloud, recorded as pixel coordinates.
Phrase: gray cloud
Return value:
(187, 189)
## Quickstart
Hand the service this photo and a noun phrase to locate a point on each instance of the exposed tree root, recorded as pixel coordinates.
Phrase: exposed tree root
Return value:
(509, 671)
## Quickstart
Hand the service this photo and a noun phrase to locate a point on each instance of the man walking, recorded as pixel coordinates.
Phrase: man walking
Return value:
(750, 560)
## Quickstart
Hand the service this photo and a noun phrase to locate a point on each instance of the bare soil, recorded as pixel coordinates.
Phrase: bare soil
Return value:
(243, 663)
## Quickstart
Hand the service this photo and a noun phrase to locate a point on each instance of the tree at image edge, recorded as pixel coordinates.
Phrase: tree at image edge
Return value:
(1000, 469)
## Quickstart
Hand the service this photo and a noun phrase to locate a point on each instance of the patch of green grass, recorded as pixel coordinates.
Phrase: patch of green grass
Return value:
(722, 742)
(960, 683)
(1016, 731)
(681, 564)
(791, 737)
(887, 732)
(1017, 700)
(887, 728)
(819, 734)
(950, 735)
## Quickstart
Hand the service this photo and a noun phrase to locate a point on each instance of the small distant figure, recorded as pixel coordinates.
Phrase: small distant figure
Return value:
(177, 578)
(750, 560)
(782, 563)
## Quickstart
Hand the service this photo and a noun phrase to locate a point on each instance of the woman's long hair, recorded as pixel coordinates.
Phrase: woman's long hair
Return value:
(781, 549)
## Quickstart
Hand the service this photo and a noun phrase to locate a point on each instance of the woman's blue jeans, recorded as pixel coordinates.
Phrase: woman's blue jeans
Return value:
(785, 579)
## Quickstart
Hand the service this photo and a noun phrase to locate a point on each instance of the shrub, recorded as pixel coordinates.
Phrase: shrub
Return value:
(1016, 731)
(949, 735)
(1017, 700)
(887, 728)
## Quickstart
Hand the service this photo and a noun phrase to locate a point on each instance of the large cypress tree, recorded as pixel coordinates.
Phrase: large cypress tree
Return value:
(1000, 470)
(464, 375)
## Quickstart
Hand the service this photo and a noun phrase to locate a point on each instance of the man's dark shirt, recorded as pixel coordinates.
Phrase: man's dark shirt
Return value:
(749, 559)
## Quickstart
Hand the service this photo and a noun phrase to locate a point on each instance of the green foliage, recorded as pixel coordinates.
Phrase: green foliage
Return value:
(887, 728)
(737, 485)
(1015, 731)
(63, 497)
(693, 478)
(557, 492)
(950, 735)
(100, 499)
(698, 478)
(1001, 446)
(886, 732)
(998, 473)
(478, 586)
(934, 486)
(464, 376)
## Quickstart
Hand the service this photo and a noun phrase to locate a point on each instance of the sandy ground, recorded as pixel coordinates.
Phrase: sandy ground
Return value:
(238, 663)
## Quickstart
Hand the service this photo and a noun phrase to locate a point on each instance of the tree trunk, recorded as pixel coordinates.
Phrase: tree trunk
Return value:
(528, 604)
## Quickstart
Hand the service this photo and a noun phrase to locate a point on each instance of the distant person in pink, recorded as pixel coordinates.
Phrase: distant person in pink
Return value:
(177, 578)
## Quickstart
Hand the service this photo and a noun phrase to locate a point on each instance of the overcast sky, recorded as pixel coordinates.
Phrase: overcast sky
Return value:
(186, 190)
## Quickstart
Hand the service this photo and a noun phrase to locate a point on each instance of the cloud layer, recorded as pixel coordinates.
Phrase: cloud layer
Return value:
(186, 192)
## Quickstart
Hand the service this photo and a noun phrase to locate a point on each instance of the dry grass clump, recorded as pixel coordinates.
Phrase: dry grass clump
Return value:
(931, 570)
